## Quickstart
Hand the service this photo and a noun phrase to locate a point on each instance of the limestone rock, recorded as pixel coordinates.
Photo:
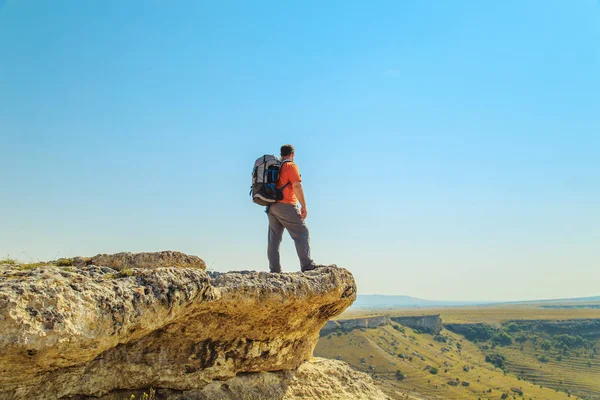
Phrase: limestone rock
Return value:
(329, 379)
(91, 330)
(355, 323)
(426, 323)
(316, 379)
(122, 261)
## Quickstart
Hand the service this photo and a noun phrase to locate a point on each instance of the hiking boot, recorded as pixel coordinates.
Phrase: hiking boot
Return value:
(312, 266)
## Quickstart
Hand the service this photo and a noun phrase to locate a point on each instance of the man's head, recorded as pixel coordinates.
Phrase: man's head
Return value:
(287, 152)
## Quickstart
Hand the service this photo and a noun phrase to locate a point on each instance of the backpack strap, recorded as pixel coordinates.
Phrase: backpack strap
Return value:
(280, 168)
(264, 169)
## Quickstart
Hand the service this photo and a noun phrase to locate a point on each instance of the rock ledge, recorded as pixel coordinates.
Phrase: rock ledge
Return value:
(91, 330)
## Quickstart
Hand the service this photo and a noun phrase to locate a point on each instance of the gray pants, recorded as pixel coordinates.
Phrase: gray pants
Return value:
(287, 216)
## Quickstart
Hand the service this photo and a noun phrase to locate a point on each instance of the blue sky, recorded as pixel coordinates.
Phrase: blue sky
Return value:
(449, 150)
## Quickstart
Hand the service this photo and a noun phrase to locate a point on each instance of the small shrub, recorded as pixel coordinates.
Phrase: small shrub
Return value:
(65, 262)
(441, 338)
(502, 339)
(496, 360)
(546, 345)
(149, 396)
(35, 265)
(433, 371)
(521, 338)
(125, 272)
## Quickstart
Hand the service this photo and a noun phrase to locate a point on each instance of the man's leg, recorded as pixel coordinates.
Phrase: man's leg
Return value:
(289, 216)
(275, 236)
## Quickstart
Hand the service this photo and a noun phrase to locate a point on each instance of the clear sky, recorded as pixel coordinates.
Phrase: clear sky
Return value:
(450, 150)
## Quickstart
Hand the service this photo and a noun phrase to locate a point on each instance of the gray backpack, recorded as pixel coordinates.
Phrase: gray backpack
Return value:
(265, 175)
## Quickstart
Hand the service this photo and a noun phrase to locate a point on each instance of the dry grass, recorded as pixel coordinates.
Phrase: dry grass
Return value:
(380, 348)
(493, 315)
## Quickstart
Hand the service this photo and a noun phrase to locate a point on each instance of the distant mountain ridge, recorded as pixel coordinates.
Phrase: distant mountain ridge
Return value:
(392, 301)
(384, 301)
(591, 299)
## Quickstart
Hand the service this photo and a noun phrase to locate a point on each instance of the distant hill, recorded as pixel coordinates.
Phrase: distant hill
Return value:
(390, 301)
(592, 299)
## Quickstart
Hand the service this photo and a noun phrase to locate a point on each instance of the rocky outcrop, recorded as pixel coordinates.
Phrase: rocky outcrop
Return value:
(356, 323)
(73, 331)
(121, 261)
(426, 323)
(318, 378)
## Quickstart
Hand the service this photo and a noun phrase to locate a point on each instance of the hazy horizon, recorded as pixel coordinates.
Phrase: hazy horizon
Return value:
(481, 301)
(448, 150)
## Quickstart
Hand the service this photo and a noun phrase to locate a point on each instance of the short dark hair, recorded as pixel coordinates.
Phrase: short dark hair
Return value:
(286, 150)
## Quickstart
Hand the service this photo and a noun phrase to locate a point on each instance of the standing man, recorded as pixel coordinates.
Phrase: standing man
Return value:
(285, 215)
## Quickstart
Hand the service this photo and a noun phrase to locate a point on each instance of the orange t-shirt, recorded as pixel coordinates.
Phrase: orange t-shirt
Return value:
(289, 173)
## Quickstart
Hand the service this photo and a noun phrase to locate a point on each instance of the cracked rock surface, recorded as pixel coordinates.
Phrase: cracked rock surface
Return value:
(81, 330)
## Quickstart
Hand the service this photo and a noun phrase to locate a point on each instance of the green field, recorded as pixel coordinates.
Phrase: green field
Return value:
(535, 362)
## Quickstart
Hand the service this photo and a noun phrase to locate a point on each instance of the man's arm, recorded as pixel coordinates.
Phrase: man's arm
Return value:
(299, 192)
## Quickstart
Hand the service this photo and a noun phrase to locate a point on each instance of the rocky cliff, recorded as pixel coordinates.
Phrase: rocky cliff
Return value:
(355, 323)
(426, 323)
(109, 325)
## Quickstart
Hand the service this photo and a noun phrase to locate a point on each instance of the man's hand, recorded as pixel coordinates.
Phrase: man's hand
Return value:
(299, 192)
(303, 213)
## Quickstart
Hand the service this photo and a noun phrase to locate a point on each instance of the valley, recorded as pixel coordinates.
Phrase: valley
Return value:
(493, 352)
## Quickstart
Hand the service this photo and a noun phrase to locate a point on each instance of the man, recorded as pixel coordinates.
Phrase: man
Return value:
(285, 215)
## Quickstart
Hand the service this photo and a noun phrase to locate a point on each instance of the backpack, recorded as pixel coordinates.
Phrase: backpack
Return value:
(265, 175)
